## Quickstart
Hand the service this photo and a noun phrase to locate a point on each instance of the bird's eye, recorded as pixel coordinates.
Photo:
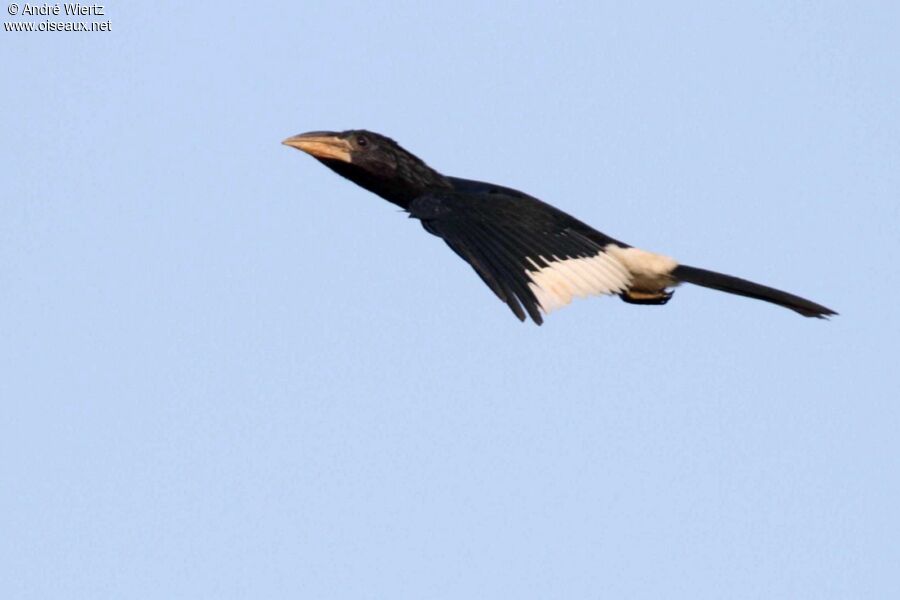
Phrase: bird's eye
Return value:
(361, 141)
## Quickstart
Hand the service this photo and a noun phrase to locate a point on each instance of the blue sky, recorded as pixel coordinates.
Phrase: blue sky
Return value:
(228, 373)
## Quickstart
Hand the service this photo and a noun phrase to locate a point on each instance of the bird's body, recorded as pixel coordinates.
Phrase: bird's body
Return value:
(534, 257)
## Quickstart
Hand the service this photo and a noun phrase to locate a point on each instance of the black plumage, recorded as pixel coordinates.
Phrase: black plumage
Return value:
(533, 256)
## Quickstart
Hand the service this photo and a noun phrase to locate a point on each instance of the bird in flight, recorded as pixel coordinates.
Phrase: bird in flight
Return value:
(533, 256)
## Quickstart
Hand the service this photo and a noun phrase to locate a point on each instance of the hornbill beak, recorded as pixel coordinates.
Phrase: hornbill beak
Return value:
(321, 144)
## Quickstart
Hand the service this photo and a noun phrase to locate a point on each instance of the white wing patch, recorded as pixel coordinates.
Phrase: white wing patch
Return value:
(611, 271)
(556, 284)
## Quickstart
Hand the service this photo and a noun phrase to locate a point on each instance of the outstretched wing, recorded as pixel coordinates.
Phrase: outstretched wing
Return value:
(534, 259)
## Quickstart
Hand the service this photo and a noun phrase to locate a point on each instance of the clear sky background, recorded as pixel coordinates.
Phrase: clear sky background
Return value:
(229, 373)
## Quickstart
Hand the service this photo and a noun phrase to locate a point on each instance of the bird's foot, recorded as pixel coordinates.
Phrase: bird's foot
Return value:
(639, 297)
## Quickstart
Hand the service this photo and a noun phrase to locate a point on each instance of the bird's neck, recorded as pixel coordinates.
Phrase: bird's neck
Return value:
(410, 180)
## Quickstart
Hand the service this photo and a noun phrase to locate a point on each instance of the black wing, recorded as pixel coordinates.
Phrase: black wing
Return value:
(526, 251)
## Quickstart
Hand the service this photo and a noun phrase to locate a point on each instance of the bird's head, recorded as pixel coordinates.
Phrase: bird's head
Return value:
(372, 161)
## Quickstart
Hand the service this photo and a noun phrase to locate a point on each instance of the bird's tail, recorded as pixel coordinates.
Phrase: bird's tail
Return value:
(742, 287)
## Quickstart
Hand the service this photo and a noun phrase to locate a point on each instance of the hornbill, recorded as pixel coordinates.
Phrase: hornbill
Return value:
(532, 255)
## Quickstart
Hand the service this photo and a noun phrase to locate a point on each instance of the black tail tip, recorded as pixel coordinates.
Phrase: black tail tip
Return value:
(820, 312)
